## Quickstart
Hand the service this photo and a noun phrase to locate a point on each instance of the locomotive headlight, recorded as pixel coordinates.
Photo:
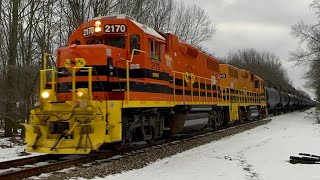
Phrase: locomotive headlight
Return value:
(97, 23)
(80, 93)
(97, 29)
(45, 95)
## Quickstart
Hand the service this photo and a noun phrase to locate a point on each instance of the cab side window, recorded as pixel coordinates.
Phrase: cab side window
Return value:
(135, 43)
(257, 84)
(154, 50)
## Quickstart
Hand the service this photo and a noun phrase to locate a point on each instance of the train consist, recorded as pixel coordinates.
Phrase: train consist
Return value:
(119, 82)
(282, 102)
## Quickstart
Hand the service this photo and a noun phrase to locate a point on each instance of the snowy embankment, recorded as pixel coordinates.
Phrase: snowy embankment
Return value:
(13, 148)
(258, 154)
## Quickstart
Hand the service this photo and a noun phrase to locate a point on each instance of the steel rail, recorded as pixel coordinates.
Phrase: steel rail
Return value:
(62, 164)
(28, 160)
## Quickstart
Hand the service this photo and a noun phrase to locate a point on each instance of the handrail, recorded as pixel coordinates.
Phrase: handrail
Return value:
(174, 87)
(74, 82)
(187, 74)
(199, 94)
(229, 94)
(43, 79)
(128, 71)
(43, 75)
(183, 88)
(174, 84)
(205, 83)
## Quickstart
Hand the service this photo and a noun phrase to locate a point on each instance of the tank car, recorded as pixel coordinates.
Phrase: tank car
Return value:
(281, 102)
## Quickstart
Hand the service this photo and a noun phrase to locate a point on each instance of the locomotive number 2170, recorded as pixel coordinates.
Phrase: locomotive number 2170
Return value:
(115, 28)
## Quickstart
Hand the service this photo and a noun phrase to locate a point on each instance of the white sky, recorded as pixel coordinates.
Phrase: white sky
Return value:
(261, 24)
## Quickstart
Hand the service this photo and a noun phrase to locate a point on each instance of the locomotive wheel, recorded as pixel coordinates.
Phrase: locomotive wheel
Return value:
(220, 120)
(128, 135)
(212, 122)
(241, 114)
(126, 139)
(153, 136)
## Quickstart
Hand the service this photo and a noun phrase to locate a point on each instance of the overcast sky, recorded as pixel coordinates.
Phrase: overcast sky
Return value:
(261, 24)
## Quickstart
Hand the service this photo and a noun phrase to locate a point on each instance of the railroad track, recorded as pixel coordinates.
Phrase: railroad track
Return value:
(57, 162)
(27, 160)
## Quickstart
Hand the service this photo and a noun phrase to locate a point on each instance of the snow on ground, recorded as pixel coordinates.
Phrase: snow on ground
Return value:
(8, 148)
(13, 148)
(258, 154)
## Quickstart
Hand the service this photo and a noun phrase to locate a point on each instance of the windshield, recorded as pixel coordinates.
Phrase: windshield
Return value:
(115, 41)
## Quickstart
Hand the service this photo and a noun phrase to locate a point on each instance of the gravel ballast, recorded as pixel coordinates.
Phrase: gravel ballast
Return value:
(141, 158)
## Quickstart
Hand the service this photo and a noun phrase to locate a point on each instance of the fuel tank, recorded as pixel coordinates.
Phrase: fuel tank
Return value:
(196, 120)
(197, 117)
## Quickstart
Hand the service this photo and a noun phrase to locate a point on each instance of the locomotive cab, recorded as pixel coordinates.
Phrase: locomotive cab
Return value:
(108, 45)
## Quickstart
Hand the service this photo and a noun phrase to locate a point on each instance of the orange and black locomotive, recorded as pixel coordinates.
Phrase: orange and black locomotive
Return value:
(119, 81)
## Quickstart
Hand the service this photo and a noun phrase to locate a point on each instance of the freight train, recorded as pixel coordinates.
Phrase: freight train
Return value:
(119, 81)
(282, 102)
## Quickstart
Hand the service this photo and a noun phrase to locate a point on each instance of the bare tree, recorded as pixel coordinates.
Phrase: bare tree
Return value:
(309, 35)
(191, 24)
(12, 60)
(264, 64)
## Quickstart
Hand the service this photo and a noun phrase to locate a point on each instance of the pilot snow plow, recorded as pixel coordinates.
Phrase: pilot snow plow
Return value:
(66, 128)
(77, 126)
